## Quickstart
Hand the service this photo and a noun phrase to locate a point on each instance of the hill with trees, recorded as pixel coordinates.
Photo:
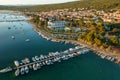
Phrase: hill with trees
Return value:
(94, 4)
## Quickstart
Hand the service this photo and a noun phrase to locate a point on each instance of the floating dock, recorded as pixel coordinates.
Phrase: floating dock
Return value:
(22, 67)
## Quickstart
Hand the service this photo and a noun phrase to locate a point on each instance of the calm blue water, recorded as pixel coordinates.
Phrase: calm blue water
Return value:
(84, 67)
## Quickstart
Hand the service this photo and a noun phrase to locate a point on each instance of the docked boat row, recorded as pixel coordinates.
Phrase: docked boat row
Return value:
(108, 57)
(12, 18)
(36, 62)
(50, 38)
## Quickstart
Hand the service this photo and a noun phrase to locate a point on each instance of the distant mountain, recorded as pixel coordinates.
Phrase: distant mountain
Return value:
(94, 4)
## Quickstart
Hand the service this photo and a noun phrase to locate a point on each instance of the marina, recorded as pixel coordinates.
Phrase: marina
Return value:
(37, 62)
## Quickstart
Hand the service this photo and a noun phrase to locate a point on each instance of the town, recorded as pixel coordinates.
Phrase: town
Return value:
(96, 28)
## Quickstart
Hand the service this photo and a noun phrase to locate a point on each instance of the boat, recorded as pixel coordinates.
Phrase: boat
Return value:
(30, 66)
(13, 37)
(37, 58)
(43, 63)
(66, 42)
(65, 57)
(47, 62)
(17, 72)
(34, 67)
(24, 66)
(16, 63)
(27, 40)
(22, 71)
(8, 69)
(26, 69)
(38, 65)
(27, 60)
(103, 56)
(33, 59)
(112, 59)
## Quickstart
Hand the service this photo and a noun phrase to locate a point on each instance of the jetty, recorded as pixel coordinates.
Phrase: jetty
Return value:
(23, 66)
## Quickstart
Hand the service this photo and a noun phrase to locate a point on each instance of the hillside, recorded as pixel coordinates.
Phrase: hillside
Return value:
(95, 4)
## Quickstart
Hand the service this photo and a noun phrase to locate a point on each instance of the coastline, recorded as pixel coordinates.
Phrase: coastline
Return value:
(102, 54)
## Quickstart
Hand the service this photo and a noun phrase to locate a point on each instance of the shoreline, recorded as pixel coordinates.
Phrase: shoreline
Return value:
(102, 54)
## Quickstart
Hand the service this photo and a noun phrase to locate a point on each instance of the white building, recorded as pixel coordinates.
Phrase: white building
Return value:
(57, 25)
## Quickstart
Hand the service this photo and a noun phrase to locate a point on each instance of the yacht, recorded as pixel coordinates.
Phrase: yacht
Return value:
(17, 72)
(37, 58)
(30, 67)
(16, 63)
(33, 59)
(22, 71)
(43, 63)
(38, 65)
(47, 62)
(27, 40)
(26, 69)
(8, 69)
(13, 37)
(34, 67)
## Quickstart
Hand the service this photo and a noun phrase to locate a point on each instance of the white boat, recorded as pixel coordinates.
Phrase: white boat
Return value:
(26, 69)
(27, 60)
(79, 52)
(33, 59)
(17, 72)
(47, 62)
(30, 67)
(37, 58)
(34, 67)
(8, 69)
(43, 63)
(16, 63)
(38, 65)
(65, 57)
(71, 49)
(22, 71)
(27, 40)
(66, 42)
(13, 37)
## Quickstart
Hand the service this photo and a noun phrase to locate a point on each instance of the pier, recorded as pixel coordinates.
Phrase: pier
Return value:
(22, 67)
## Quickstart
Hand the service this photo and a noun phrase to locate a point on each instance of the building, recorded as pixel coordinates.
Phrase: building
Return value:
(57, 25)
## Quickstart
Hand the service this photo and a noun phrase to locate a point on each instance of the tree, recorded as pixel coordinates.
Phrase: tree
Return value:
(109, 48)
(114, 40)
(97, 41)
(115, 30)
(102, 47)
(90, 36)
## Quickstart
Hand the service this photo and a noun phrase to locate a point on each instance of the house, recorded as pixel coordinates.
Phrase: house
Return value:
(117, 20)
(57, 25)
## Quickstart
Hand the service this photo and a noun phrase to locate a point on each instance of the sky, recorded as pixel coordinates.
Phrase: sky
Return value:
(26, 2)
